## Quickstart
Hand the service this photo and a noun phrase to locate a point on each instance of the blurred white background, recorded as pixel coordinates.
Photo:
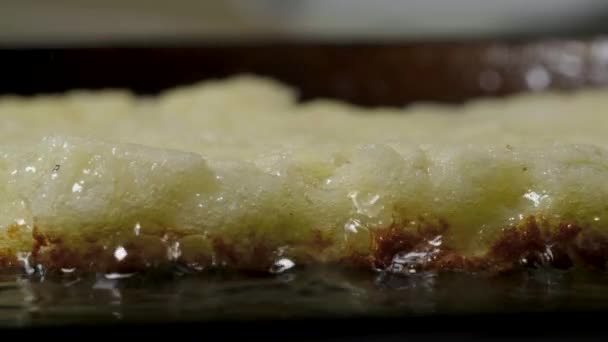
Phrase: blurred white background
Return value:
(49, 22)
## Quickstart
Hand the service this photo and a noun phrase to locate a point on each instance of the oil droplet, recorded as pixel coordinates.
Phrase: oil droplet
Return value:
(76, 188)
(20, 222)
(30, 169)
(547, 256)
(40, 269)
(113, 276)
(68, 270)
(535, 198)
(352, 226)
(408, 261)
(436, 242)
(120, 253)
(137, 229)
(25, 259)
(596, 219)
(174, 251)
(282, 265)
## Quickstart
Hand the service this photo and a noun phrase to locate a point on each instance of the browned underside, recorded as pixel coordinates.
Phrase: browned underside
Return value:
(529, 244)
(526, 245)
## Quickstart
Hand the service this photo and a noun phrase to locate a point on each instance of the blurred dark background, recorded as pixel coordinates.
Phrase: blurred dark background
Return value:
(371, 53)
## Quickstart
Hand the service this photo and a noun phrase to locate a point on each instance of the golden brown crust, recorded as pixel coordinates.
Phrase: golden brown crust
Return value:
(526, 245)
(530, 244)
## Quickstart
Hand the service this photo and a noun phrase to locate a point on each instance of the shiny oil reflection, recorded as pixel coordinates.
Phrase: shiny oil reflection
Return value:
(294, 293)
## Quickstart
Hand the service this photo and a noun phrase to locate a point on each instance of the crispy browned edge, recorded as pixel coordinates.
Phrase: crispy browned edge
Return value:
(517, 247)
